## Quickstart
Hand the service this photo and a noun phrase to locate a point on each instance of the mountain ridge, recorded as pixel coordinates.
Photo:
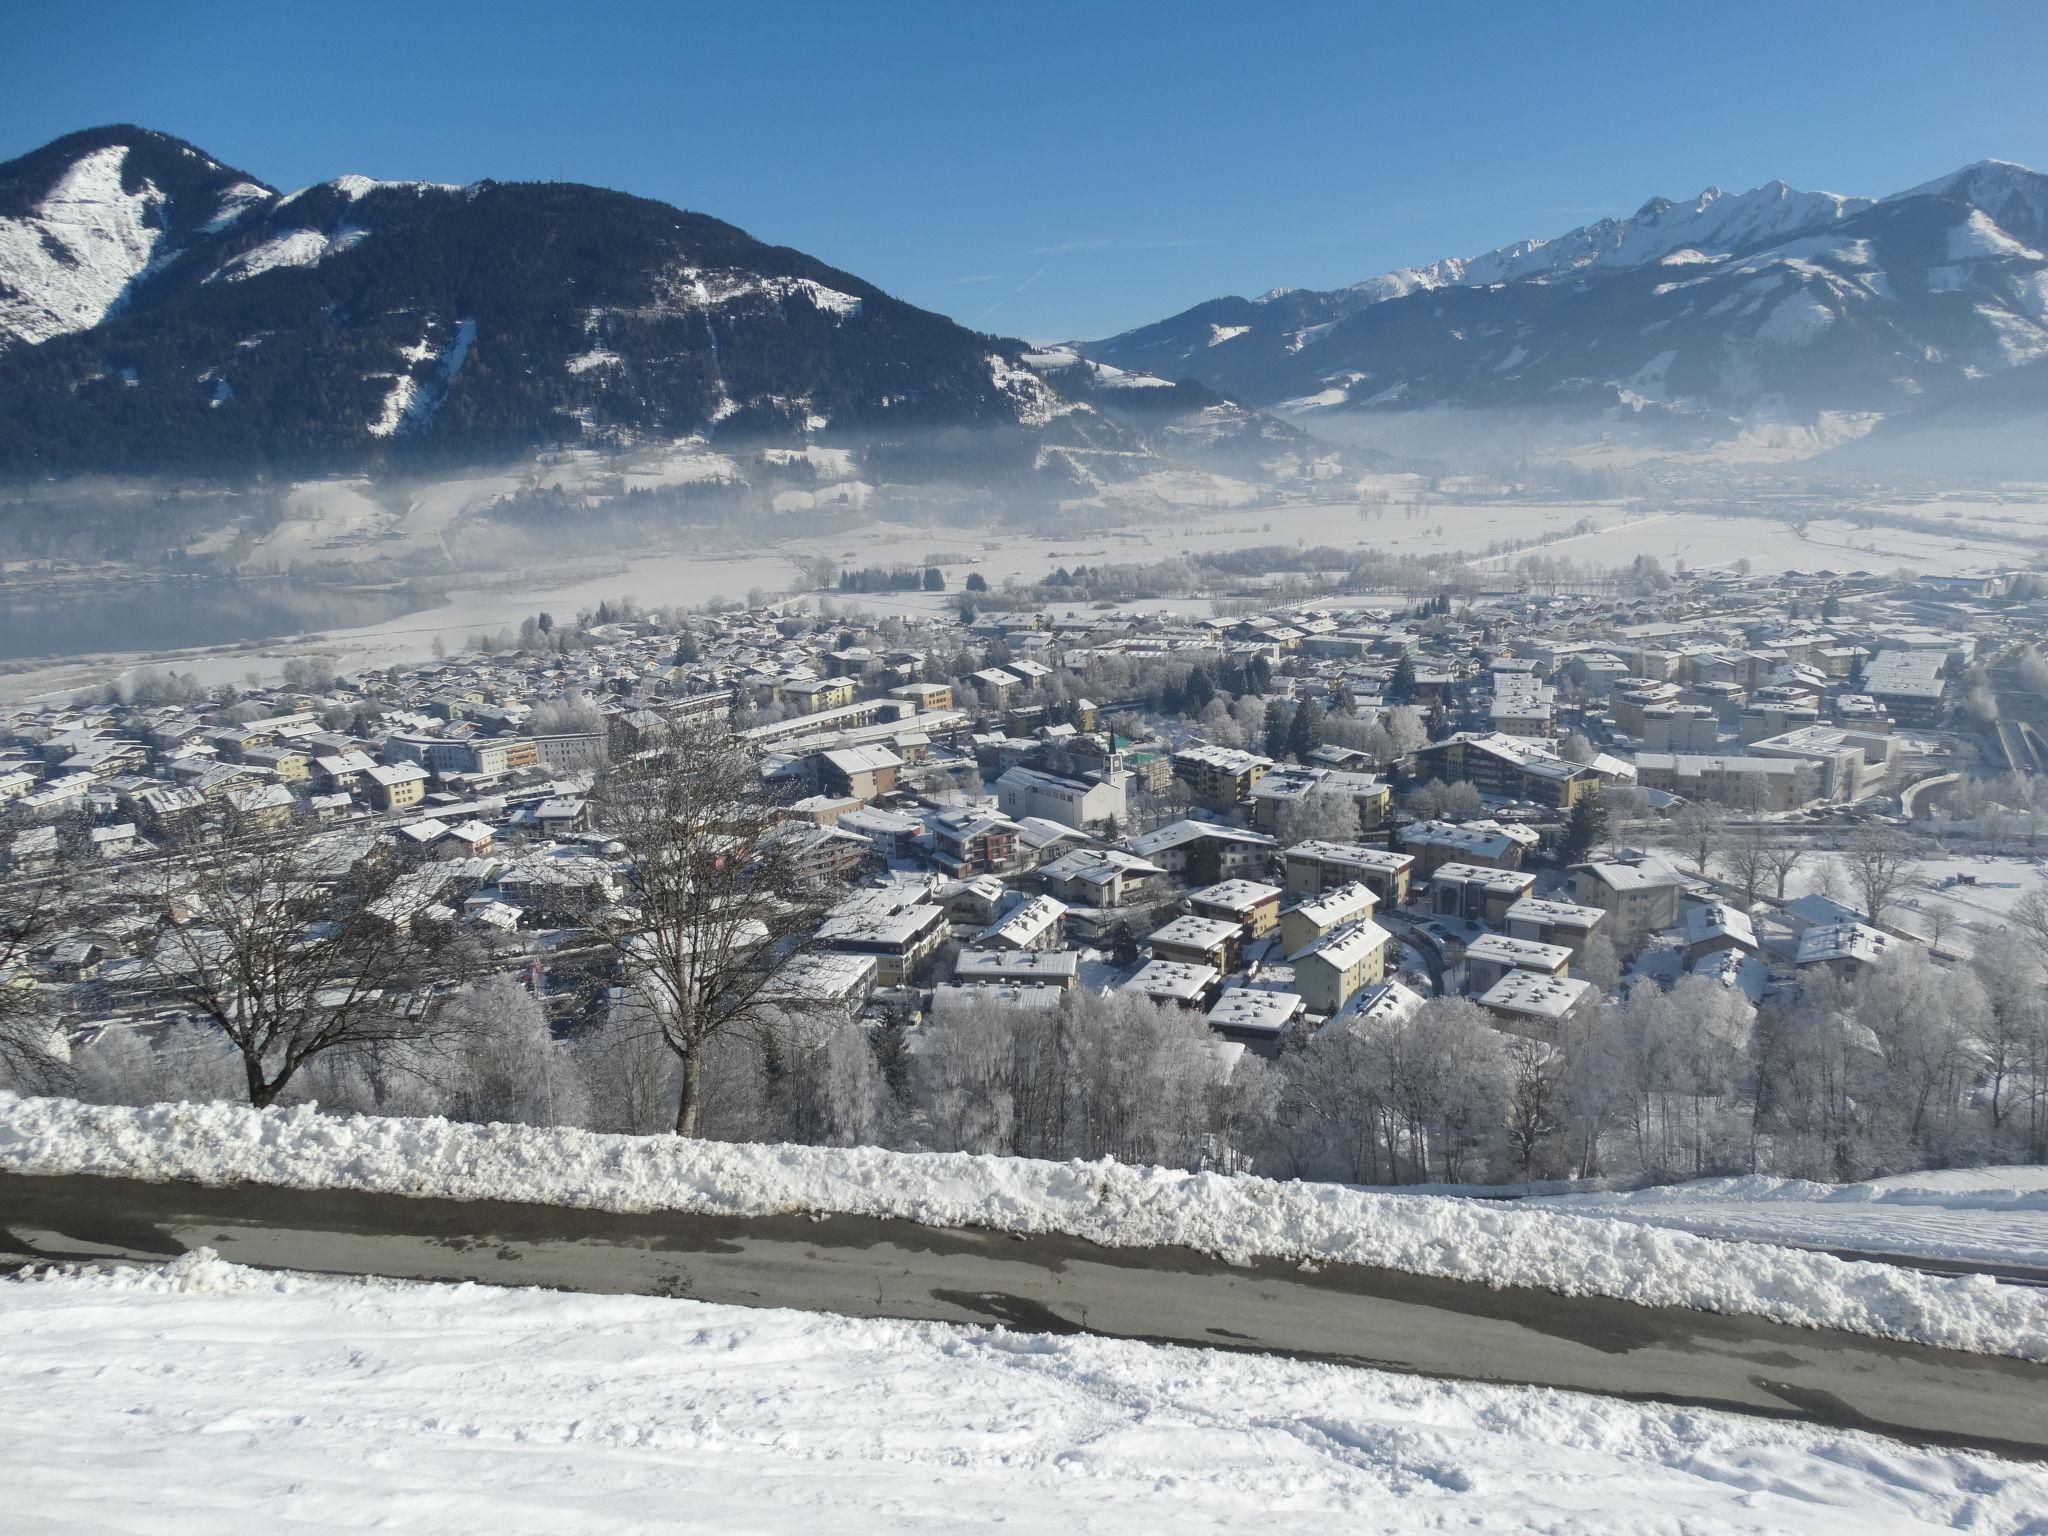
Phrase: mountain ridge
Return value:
(1772, 302)
(162, 311)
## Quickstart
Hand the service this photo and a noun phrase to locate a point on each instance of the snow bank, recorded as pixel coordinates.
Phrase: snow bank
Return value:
(1116, 1205)
(207, 1397)
(1986, 1215)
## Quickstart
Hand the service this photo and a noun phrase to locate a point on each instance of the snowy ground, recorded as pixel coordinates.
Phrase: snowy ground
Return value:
(2001, 880)
(1112, 1204)
(206, 1397)
(339, 520)
(1991, 1215)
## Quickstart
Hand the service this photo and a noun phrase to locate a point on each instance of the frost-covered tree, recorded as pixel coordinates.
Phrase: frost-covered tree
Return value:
(1926, 1022)
(2009, 967)
(1598, 964)
(176, 1064)
(1881, 864)
(1324, 815)
(1406, 730)
(505, 1063)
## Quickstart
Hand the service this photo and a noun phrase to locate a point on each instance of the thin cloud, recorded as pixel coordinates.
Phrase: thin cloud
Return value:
(999, 303)
(1113, 243)
(978, 277)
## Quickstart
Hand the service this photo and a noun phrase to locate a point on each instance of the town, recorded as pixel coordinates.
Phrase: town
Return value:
(1641, 880)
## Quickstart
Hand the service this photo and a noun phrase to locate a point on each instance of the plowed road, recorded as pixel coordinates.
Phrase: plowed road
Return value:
(873, 1268)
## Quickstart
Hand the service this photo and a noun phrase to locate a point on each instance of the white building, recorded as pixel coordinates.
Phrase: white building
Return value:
(1076, 803)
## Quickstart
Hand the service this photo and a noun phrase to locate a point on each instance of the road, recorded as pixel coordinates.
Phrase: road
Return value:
(864, 1267)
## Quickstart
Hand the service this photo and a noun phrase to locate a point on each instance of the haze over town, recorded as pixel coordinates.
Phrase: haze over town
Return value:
(811, 835)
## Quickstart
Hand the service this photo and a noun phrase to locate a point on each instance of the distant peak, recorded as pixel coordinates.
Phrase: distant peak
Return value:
(1978, 173)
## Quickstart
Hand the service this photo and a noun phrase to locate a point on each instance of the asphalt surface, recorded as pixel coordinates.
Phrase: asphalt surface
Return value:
(864, 1267)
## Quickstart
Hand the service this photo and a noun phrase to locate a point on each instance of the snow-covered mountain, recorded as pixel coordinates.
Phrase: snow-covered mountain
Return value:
(1770, 303)
(162, 311)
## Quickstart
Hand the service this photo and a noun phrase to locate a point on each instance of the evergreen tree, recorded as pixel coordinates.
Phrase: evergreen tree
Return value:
(976, 582)
(1278, 719)
(1401, 686)
(1583, 829)
(934, 581)
(1305, 732)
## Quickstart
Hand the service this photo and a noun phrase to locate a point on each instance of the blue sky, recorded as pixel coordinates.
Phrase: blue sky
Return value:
(1065, 170)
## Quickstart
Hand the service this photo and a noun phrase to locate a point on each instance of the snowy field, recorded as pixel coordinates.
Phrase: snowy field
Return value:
(1112, 1204)
(207, 1397)
(1990, 1215)
(2000, 882)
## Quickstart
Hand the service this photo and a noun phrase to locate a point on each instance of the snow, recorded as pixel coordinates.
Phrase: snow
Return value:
(2017, 341)
(1116, 378)
(1218, 334)
(294, 248)
(69, 262)
(1978, 238)
(397, 402)
(1646, 386)
(1986, 1215)
(1977, 171)
(206, 1396)
(715, 289)
(1796, 321)
(1112, 1204)
(234, 202)
(410, 403)
(1062, 356)
(356, 188)
(1035, 401)
(1322, 399)
(1709, 228)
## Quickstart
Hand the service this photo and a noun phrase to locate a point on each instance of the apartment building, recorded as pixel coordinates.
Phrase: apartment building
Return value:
(1220, 777)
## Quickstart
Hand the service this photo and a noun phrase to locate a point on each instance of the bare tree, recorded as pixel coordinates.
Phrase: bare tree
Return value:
(1748, 857)
(1881, 862)
(32, 912)
(1701, 830)
(2030, 916)
(1536, 1103)
(1780, 860)
(291, 957)
(720, 900)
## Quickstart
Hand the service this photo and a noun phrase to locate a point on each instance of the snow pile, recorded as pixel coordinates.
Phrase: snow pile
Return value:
(202, 1396)
(1116, 1205)
(1986, 1215)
